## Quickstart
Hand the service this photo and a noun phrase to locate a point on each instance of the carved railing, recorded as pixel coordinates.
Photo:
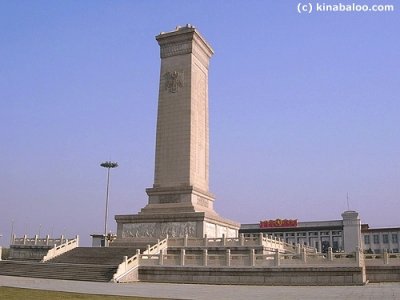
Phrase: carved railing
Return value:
(385, 258)
(37, 241)
(269, 243)
(61, 249)
(131, 264)
(251, 259)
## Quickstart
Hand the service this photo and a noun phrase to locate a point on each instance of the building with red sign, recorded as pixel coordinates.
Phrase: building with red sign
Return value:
(341, 235)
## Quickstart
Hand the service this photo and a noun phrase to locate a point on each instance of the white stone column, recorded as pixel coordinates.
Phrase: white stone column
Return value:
(183, 253)
(385, 257)
(161, 257)
(228, 257)
(304, 255)
(252, 258)
(277, 259)
(205, 257)
(351, 231)
(241, 239)
(330, 254)
(260, 238)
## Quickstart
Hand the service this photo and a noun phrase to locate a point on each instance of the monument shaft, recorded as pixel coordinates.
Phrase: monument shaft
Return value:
(182, 142)
(182, 149)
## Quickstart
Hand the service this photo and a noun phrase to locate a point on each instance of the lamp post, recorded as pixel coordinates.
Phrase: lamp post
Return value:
(109, 165)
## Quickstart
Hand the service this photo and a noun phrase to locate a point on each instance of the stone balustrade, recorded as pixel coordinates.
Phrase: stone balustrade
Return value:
(251, 259)
(37, 241)
(126, 270)
(61, 249)
(385, 258)
(269, 243)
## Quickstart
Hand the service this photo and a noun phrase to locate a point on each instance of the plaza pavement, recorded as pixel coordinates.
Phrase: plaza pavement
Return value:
(383, 291)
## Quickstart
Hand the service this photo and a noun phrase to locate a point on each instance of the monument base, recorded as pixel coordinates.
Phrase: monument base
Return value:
(158, 226)
(176, 212)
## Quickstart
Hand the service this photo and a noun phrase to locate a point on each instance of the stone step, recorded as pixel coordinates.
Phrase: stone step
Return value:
(95, 255)
(80, 272)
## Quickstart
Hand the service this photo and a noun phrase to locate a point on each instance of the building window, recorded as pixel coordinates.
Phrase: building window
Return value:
(396, 250)
(366, 239)
(394, 238)
(385, 238)
(376, 238)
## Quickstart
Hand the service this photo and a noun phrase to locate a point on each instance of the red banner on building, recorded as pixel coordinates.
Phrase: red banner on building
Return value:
(278, 223)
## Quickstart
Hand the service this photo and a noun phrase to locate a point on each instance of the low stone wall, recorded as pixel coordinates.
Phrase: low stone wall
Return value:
(27, 252)
(383, 273)
(254, 276)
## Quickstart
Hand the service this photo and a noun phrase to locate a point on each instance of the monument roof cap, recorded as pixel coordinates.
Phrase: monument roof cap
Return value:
(184, 34)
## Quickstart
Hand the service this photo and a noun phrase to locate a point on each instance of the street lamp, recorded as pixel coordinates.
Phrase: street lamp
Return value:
(109, 165)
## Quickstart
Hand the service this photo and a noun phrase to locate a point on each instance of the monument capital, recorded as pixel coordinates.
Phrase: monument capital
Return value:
(184, 40)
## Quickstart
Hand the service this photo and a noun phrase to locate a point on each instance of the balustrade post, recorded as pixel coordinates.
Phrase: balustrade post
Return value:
(260, 238)
(277, 258)
(304, 255)
(126, 262)
(298, 249)
(183, 253)
(359, 257)
(252, 258)
(36, 239)
(330, 254)
(25, 239)
(161, 257)
(185, 241)
(241, 239)
(0, 252)
(47, 240)
(228, 257)
(205, 257)
(77, 240)
(148, 249)
(223, 240)
(205, 240)
(137, 251)
(385, 257)
(62, 239)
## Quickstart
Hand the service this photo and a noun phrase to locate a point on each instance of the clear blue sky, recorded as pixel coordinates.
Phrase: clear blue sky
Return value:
(304, 108)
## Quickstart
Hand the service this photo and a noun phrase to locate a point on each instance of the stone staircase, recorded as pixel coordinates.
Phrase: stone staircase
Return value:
(81, 263)
(95, 255)
(79, 272)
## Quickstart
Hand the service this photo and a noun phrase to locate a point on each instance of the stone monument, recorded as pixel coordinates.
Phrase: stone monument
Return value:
(180, 202)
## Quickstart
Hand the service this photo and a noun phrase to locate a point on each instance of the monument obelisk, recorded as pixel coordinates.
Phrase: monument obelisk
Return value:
(180, 202)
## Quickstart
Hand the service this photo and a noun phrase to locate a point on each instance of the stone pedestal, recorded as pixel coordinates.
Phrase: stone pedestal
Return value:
(180, 202)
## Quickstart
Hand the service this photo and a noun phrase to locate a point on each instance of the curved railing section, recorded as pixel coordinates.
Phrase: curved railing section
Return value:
(61, 249)
(127, 270)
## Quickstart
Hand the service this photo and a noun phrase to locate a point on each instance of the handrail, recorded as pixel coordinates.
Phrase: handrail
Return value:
(271, 243)
(61, 249)
(251, 259)
(37, 241)
(130, 264)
